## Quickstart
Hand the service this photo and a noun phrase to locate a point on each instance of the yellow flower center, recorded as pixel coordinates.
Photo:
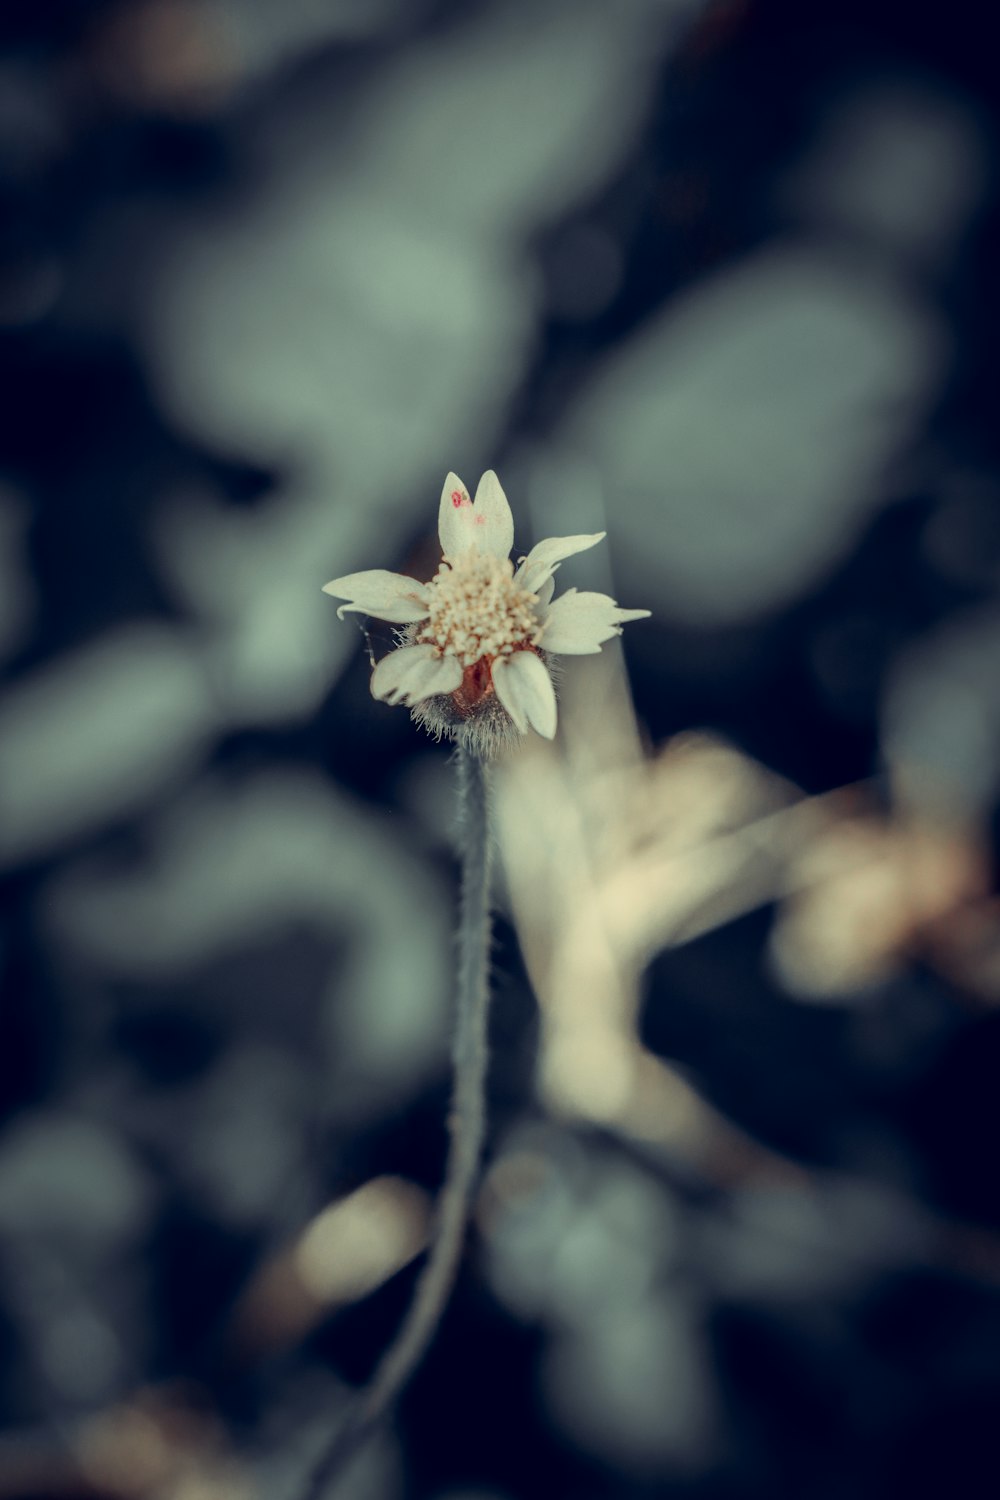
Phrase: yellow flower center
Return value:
(477, 610)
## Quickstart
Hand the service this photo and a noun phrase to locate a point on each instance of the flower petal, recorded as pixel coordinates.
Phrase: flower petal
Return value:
(578, 624)
(413, 673)
(491, 517)
(377, 592)
(544, 593)
(543, 559)
(454, 518)
(525, 689)
(484, 526)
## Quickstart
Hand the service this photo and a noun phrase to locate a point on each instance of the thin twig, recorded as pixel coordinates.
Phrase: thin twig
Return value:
(466, 1128)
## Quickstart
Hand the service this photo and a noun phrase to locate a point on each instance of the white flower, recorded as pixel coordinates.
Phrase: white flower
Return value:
(472, 662)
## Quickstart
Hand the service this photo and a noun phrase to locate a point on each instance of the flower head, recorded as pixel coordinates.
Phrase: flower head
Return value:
(473, 658)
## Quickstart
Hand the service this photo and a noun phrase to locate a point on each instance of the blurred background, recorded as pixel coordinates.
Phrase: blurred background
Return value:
(717, 276)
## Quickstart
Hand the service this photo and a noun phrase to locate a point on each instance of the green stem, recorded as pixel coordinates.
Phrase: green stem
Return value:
(466, 1122)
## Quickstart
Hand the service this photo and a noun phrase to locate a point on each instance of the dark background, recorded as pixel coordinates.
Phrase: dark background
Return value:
(718, 278)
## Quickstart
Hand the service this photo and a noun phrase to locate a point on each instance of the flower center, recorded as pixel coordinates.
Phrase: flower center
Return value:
(477, 610)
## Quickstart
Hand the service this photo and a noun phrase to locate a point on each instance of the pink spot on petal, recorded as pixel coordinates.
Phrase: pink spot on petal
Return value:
(479, 520)
(458, 499)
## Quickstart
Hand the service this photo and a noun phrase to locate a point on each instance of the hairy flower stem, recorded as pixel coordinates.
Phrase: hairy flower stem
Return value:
(466, 1125)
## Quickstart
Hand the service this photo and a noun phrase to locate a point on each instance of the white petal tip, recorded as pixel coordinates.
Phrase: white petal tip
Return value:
(524, 687)
(412, 673)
